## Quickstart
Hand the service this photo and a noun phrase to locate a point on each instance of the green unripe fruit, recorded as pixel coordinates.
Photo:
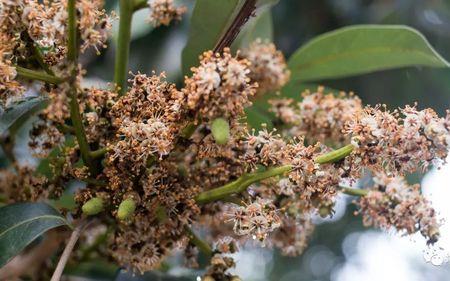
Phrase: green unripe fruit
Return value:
(126, 209)
(93, 206)
(220, 130)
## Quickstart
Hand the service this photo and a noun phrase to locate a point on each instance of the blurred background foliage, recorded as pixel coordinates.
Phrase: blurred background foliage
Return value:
(294, 23)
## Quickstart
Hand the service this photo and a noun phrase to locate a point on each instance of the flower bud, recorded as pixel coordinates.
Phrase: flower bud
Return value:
(126, 209)
(220, 130)
(93, 206)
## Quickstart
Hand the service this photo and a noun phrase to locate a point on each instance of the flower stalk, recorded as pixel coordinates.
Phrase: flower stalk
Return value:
(246, 180)
(335, 155)
(75, 115)
(123, 45)
(38, 75)
(354, 191)
(99, 153)
(240, 184)
(199, 243)
(139, 4)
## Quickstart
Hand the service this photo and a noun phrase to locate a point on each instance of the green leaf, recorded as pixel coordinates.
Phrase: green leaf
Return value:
(21, 224)
(210, 19)
(257, 116)
(17, 114)
(294, 90)
(260, 26)
(362, 49)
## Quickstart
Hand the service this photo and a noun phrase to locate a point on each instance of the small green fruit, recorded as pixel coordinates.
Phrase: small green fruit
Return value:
(93, 206)
(220, 130)
(126, 209)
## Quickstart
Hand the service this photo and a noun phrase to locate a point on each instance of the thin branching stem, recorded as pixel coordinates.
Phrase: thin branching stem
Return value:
(40, 59)
(204, 247)
(67, 251)
(75, 115)
(335, 155)
(242, 183)
(354, 191)
(99, 153)
(140, 4)
(38, 75)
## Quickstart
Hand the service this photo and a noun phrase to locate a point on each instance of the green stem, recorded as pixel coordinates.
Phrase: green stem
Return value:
(140, 4)
(66, 129)
(123, 45)
(72, 53)
(40, 59)
(99, 153)
(354, 191)
(240, 184)
(246, 180)
(75, 114)
(94, 182)
(201, 245)
(335, 155)
(38, 75)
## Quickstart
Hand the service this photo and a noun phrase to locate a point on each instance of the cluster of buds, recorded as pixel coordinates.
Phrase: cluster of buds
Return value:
(399, 142)
(219, 87)
(268, 66)
(393, 203)
(319, 116)
(163, 12)
(256, 219)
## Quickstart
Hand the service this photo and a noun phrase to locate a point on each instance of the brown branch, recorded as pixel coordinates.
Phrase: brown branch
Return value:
(67, 251)
(232, 32)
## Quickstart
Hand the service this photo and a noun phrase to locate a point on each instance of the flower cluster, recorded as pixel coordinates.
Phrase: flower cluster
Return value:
(219, 87)
(163, 12)
(394, 203)
(45, 23)
(401, 141)
(148, 119)
(257, 219)
(268, 66)
(293, 235)
(308, 180)
(319, 116)
(9, 87)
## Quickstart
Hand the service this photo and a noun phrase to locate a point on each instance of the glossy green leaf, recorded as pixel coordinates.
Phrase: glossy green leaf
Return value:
(16, 114)
(21, 224)
(362, 49)
(210, 20)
